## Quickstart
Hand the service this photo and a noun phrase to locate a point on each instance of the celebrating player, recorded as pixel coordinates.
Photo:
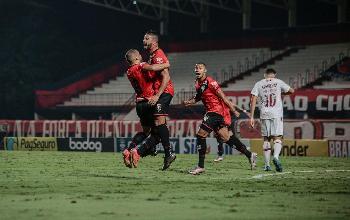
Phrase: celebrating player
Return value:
(143, 86)
(271, 114)
(164, 92)
(217, 117)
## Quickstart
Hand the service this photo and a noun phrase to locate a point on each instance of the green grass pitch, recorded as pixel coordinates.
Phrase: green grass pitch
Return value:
(72, 185)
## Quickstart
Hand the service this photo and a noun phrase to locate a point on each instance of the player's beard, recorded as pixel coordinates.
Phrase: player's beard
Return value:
(147, 46)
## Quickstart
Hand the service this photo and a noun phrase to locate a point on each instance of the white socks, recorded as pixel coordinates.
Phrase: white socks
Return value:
(277, 148)
(267, 152)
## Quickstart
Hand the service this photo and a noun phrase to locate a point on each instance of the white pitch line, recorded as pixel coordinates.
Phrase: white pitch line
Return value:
(337, 170)
(259, 176)
(305, 171)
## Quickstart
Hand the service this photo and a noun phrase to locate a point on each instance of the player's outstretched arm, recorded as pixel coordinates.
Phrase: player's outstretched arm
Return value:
(196, 98)
(155, 67)
(189, 102)
(290, 91)
(252, 109)
(229, 104)
(242, 110)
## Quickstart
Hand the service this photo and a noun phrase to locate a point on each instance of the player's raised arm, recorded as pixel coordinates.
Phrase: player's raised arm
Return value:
(155, 67)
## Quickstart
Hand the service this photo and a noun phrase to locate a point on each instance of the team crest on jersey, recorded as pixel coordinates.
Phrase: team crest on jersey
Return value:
(205, 118)
(159, 107)
(204, 86)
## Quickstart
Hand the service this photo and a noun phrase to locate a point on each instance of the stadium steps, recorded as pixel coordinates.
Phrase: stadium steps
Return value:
(334, 77)
(334, 84)
(327, 81)
(299, 68)
(271, 61)
(115, 92)
(118, 91)
(221, 64)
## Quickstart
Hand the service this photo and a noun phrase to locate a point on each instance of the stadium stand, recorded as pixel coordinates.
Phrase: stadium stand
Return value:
(115, 92)
(334, 84)
(299, 68)
(107, 94)
(338, 76)
(222, 65)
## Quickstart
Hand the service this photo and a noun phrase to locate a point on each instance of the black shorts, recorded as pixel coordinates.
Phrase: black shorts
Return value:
(212, 122)
(162, 106)
(145, 113)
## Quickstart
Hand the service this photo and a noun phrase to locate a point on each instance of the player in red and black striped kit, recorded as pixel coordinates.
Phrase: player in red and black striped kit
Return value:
(164, 92)
(138, 75)
(217, 117)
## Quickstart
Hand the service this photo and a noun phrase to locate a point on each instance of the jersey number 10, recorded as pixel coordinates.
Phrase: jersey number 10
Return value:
(270, 100)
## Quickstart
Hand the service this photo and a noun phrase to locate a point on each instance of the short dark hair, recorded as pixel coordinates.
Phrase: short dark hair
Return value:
(153, 33)
(129, 54)
(270, 70)
(201, 63)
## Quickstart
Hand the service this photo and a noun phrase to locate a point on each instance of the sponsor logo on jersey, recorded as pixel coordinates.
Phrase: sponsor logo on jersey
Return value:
(159, 60)
(159, 107)
(214, 84)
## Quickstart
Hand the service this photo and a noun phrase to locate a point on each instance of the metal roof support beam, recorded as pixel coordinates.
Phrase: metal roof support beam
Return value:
(204, 11)
(331, 2)
(128, 7)
(341, 9)
(281, 4)
(226, 5)
(147, 8)
(164, 18)
(246, 14)
(292, 13)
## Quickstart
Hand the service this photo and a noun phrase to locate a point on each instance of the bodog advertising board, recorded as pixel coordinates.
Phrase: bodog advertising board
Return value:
(86, 144)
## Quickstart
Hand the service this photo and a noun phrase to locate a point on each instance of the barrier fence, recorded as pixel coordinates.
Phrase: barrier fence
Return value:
(293, 129)
(291, 147)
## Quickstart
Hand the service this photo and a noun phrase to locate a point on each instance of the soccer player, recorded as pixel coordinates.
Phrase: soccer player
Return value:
(217, 117)
(137, 74)
(164, 92)
(269, 91)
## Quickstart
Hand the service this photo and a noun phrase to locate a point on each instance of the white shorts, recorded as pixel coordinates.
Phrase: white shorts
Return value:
(272, 127)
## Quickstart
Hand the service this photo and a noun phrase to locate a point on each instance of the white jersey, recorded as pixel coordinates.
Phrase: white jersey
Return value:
(269, 93)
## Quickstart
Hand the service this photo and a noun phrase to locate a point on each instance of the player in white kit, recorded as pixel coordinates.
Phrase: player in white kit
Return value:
(269, 91)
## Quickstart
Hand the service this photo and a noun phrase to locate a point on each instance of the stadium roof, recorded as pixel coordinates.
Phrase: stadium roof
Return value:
(159, 9)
